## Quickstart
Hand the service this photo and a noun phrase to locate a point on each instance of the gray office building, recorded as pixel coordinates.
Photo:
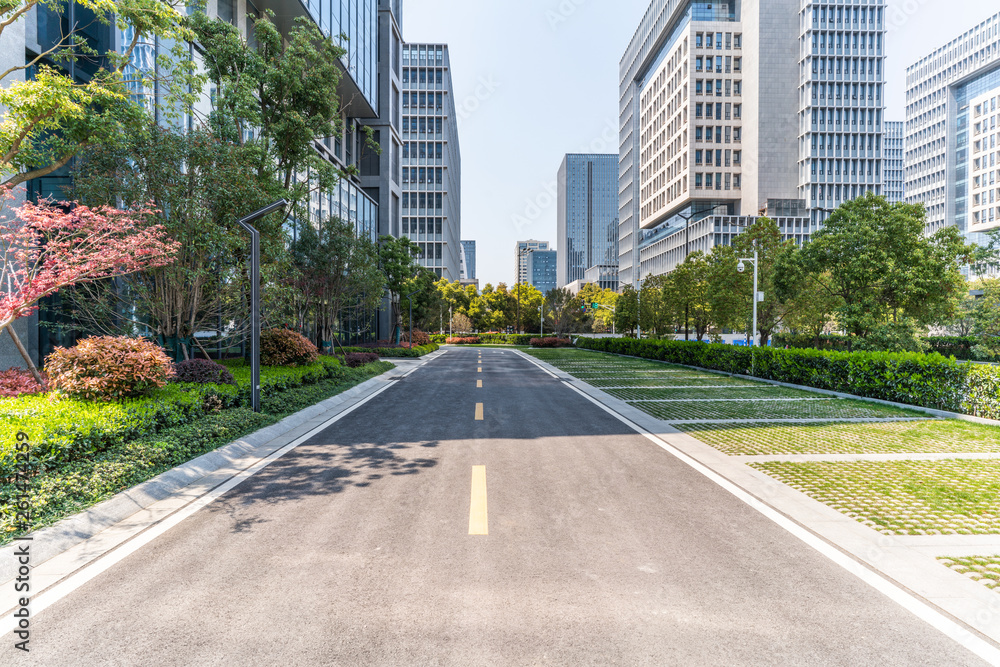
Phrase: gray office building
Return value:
(892, 167)
(542, 270)
(952, 95)
(468, 260)
(587, 214)
(733, 109)
(524, 248)
(432, 163)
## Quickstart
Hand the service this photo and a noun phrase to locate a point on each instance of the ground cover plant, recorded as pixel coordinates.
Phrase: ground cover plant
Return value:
(828, 408)
(86, 451)
(903, 497)
(984, 569)
(930, 436)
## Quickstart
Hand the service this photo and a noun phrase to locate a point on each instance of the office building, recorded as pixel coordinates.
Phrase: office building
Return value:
(366, 90)
(542, 270)
(468, 260)
(892, 165)
(587, 214)
(521, 258)
(951, 117)
(432, 166)
(604, 276)
(712, 95)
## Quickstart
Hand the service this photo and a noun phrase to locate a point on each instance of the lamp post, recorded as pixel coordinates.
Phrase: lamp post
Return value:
(541, 315)
(741, 267)
(255, 296)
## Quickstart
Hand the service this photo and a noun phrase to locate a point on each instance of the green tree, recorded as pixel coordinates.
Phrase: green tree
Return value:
(48, 118)
(530, 302)
(986, 310)
(627, 310)
(602, 317)
(397, 260)
(809, 306)
(874, 257)
(564, 311)
(688, 292)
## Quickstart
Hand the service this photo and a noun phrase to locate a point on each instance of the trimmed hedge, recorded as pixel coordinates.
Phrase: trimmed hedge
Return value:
(926, 380)
(66, 429)
(551, 341)
(959, 347)
(489, 339)
(393, 352)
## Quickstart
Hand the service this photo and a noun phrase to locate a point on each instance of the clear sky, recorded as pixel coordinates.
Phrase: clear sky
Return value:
(536, 79)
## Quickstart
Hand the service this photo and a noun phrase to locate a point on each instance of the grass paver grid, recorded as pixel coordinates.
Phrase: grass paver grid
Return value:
(984, 569)
(903, 497)
(749, 391)
(832, 408)
(918, 437)
(626, 381)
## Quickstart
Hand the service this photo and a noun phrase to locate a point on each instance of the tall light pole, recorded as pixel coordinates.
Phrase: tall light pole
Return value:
(741, 267)
(541, 315)
(255, 296)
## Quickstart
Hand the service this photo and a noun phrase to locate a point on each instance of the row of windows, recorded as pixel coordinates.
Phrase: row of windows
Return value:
(423, 226)
(871, 117)
(707, 86)
(423, 76)
(710, 181)
(418, 200)
(714, 134)
(846, 141)
(414, 54)
(873, 41)
(718, 111)
(718, 157)
(986, 179)
(844, 66)
(423, 100)
(985, 162)
(422, 124)
(705, 40)
(835, 167)
(718, 64)
(839, 193)
(423, 150)
(847, 91)
(991, 196)
(870, 16)
(423, 175)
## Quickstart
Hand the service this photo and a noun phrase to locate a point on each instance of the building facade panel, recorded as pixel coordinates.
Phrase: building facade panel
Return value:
(587, 226)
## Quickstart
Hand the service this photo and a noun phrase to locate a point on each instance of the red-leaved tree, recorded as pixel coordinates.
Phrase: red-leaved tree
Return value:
(46, 247)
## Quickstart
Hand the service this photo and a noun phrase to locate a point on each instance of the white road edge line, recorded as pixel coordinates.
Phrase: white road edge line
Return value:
(105, 561)
(894, 592)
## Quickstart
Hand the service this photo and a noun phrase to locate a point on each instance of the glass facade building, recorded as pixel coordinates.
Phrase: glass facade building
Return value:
(524, 248)
(542, 270)
(468, 260)
(951, 156)
(892, 165)
(587, 214)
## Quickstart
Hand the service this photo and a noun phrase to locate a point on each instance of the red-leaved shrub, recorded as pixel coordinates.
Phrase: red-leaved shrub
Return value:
(355, 359)
(468, 340)
(419, 337)
(202, 371)
(16, 381)
(282, 347)
(551, 342)
(108, 367)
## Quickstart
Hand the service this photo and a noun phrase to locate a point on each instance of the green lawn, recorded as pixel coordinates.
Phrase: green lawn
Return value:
(984, 569)
(822, 408)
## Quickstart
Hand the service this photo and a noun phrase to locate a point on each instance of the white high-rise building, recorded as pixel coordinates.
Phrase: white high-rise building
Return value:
(892, 165)
(432, 163)
(728, 109)
(951, 131)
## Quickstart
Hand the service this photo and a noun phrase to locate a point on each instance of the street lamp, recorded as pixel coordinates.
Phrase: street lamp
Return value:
(255, 296)
(757, 296)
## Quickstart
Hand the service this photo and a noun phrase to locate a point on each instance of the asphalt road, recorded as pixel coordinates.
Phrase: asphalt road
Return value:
(602, 549)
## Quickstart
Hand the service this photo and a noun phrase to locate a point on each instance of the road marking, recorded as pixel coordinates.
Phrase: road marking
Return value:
(901, 596)
(478, 523)
(479, 412)
(480, 370)
(479, 384)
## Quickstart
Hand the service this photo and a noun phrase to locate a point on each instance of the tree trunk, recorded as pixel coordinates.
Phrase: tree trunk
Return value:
(24, 354)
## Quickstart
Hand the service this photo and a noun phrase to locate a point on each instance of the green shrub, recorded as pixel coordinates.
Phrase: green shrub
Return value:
(394, 352)
(927, 380)
(551, 342)
(17, 381)
(283, 347)
(108, 368)
(356, 359)
(202, 371)
(463, 340)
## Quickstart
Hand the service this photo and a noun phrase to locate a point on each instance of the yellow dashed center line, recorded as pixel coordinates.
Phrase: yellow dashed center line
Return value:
(480, 370)
(478, 523)
(479, 384)
(479, 412)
